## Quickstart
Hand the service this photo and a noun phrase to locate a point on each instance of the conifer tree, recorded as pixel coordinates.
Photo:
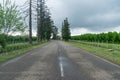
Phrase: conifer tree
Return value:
(66, 30)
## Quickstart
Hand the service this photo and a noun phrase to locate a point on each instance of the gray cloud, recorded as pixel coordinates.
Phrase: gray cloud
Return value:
(91, 14)
(94, 15)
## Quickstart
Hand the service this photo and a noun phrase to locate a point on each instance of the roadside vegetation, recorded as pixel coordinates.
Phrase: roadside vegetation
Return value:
(21, 48)
(108, 54)
(110, 37)
(105, 45)
(16, 46)
(15, 20)
(9, 43)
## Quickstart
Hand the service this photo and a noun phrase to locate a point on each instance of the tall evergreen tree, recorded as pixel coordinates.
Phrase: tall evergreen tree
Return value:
(55, 32)
(44, 22)
(66, 30)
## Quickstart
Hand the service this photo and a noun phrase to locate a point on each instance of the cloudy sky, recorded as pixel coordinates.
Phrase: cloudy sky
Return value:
(86, 16)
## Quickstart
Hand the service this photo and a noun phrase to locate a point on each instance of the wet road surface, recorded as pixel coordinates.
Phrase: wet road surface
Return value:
(59, 61)
(68, 70)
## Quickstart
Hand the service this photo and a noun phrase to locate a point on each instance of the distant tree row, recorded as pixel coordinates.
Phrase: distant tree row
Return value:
(45, 25)
(110, 37)
(12, 21)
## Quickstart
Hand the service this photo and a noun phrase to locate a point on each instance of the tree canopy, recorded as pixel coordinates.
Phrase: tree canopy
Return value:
(10, 20)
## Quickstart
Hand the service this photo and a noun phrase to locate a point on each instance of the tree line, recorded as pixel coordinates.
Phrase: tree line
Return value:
(15, 19)
(45, 25)
(110, 37)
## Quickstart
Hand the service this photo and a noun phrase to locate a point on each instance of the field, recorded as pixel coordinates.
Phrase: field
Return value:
(107, 51)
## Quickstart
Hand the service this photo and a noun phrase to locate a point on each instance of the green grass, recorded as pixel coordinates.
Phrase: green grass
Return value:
(12, 54)
(111, 55)
(103, 45)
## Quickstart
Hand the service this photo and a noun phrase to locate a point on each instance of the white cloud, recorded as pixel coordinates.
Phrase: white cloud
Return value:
(19, 2)
(79, 31)
(117, 29)
(57, 10)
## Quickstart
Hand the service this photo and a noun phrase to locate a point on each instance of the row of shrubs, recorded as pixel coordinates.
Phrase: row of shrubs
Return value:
(16, 39)
(19, 39)
(17, 46)
(8, 39)
(109, 37)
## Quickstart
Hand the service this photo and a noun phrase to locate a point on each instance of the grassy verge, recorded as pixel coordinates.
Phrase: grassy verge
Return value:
(111, 55)
(12, 54)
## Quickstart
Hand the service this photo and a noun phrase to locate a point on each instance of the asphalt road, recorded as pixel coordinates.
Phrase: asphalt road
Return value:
(59, 61)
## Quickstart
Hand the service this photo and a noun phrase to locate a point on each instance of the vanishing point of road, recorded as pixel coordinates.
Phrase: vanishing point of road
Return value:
(59, 61)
